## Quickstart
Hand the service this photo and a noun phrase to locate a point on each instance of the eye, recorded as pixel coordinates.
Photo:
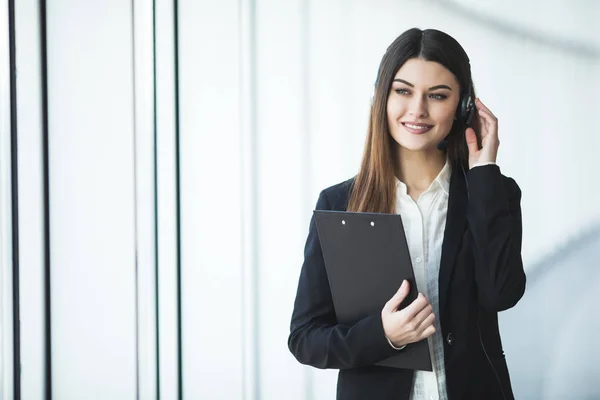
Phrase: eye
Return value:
(402, 91)
(438, 96)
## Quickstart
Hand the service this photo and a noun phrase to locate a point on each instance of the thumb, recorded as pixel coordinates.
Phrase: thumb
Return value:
(471, 141)
(394, 302)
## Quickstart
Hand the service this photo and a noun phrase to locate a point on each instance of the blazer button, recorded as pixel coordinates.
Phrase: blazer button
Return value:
(450, 339)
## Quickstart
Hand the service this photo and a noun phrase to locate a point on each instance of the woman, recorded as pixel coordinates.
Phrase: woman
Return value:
(428, 159)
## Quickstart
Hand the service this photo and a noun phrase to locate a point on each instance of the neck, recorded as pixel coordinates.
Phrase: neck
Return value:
(417, 169)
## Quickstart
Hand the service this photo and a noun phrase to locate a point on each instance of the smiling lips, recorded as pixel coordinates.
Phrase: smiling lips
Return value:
(416, 127)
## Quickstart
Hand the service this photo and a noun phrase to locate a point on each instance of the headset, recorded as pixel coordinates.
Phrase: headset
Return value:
(465, 111)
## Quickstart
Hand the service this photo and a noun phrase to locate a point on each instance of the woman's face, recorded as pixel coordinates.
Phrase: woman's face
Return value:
(422, 104)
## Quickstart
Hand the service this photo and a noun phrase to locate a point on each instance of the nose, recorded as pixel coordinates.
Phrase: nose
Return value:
(418, 107)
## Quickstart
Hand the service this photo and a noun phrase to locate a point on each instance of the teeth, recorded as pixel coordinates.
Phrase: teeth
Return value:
(415, 126)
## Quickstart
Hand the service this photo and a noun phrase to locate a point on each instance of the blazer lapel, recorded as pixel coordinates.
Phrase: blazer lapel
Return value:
(455, 224)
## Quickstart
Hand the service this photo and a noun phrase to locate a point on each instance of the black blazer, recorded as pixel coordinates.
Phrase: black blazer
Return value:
(481, 273)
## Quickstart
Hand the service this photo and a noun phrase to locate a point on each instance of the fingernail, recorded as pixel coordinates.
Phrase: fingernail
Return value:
(403, 284)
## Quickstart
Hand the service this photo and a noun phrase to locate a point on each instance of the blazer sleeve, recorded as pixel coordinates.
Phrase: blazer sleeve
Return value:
(494, 217)
(316, 338)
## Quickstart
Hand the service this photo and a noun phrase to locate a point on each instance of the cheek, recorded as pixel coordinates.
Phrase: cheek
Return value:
(395, 109)
(445, 116)
(389, 108)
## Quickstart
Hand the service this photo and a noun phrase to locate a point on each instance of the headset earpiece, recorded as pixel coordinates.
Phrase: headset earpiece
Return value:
(466, 109)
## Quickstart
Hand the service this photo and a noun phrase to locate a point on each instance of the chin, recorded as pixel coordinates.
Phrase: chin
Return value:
(410, 144)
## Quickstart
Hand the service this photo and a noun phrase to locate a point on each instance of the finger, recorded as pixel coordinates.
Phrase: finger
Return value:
(415, 307)
(471, 138)
(490, 131)
(427, 322)
(428, 332)
(423, 315)
(393, 303)
(484, 124)
(482, 107)
(489, 118)
(489, 125)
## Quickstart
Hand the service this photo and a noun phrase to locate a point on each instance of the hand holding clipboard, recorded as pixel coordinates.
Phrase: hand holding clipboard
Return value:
(410, 324)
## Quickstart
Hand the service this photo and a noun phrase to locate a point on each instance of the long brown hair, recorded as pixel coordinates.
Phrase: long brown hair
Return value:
(374, 188)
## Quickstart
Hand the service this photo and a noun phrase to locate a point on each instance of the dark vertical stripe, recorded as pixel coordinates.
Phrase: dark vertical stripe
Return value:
(156, 305)
(135, 208)
(46, 189)
(178, 199)
(15, 203)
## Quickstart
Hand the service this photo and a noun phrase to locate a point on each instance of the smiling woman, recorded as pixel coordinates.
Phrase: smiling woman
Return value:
(430, 160)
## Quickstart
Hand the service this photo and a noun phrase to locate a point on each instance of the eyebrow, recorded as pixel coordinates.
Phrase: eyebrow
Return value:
(431, 88)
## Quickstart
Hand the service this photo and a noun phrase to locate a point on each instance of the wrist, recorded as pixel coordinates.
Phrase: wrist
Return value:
(482, 163)
(394, 346)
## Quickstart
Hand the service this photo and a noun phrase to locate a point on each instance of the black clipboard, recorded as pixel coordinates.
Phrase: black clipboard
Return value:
(366, 257)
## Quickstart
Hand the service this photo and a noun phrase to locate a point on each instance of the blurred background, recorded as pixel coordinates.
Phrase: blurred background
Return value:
(160, 161)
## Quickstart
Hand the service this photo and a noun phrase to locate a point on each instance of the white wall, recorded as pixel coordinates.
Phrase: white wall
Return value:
(211, 195)
(273, 100)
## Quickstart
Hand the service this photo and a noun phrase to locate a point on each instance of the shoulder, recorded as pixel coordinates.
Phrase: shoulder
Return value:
(486, 175)
(336, 197)
(512, 188)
